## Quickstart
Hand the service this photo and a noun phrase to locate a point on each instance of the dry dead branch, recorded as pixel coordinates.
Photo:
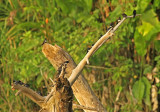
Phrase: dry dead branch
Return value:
(57, 99)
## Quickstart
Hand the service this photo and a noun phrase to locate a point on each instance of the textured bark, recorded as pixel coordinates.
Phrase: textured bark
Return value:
(63, 95)
(81, 89)
(58, 100)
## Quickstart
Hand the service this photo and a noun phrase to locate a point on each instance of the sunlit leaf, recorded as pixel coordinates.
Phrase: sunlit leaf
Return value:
(150, 17)
(144, 28)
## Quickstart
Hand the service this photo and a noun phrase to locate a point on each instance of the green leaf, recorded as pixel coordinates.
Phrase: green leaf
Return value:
(152, 34)
(115, 13)
(147, 69)
(144, 28)
(157, 58)
(39, 79)
(140, 44)
(150, 17)
(156, 3)
(143, 4)
(89, 4)
(157, 45)
(138, 90)
(29, 25)
(147, 91)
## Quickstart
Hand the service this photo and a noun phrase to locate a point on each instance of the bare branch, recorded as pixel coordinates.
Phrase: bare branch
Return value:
(34, 96)
(96, 67)
(61, 94)
(80, 66)
(82, 91)
(104, 38)
(116, 27)
(115, 104)
(75, 106)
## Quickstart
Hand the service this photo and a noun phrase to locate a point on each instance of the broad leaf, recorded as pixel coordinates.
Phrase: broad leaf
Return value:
(147, 91)
(138, 90)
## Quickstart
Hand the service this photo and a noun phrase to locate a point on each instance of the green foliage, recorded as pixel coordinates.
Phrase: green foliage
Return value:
(141, 90)
(138, 90)
(74, 25)
(147, 91)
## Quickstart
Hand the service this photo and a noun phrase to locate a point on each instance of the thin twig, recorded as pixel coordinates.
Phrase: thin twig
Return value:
(83, 107)
(44, 77)
(98, 67)
(52, 81)
(117, 98)
(99, 43)
(17, 93)
(49, 96)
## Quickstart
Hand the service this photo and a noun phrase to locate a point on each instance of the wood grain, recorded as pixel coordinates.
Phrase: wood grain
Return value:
(81, 89)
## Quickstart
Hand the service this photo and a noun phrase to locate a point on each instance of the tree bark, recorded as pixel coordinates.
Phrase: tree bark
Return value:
(81, 88)
(58, 100)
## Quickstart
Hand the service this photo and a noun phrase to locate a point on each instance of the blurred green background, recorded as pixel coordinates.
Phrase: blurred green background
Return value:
(120, 65)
